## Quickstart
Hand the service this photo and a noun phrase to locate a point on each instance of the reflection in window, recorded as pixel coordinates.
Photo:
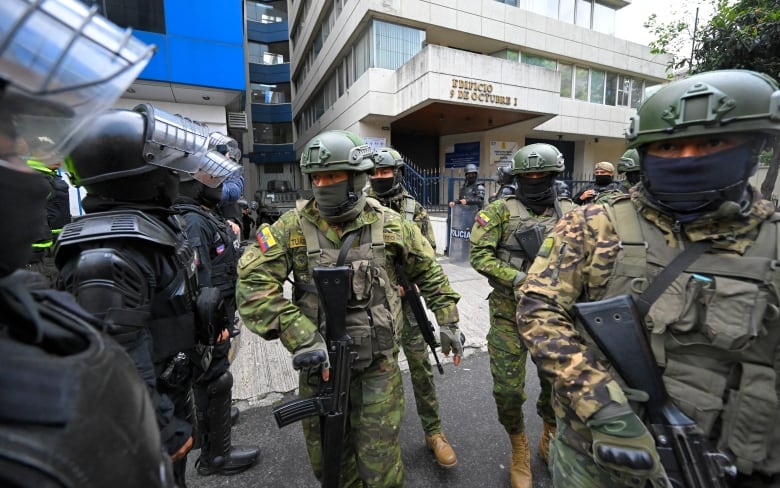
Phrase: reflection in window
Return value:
(597, 82)
(567, 76)
(583, 13)
(266, 12)
(510, 54)
(581, 78)
(265, 133)
(610, 92)
(540, 61)
(270, 94)
(145, 15)
(603, 19)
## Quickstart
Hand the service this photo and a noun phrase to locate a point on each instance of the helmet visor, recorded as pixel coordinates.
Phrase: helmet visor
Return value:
(62, 64)
(214, 169)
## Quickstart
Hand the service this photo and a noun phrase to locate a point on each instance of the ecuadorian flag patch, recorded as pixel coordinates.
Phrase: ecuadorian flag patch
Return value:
(265, 238)
(482, 219)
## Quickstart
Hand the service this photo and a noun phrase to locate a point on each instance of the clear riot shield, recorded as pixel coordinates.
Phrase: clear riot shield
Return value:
(461, 221)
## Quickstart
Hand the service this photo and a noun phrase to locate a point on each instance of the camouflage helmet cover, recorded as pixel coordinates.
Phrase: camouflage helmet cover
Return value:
(337, 150)
(536, 158)
(715, 102)
(629, 162)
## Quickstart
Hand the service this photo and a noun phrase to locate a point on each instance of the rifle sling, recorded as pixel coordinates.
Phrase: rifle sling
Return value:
(345, 248)
(669, 273)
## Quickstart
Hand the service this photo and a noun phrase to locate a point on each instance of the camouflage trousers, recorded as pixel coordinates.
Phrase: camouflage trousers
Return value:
(507, 366)
(421, 372)
(372, 453)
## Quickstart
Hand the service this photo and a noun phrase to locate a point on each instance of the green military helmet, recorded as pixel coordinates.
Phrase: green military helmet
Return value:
(629, 162)
(537, 158)
(387, 157)
(337, 150)
(715, 102)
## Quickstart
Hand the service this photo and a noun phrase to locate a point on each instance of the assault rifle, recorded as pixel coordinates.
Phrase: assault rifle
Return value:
(412, 297)
(685, 452)
(332, 399)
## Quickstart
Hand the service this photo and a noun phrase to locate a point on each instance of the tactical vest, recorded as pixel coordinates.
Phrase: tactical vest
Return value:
(374, 306)
(224, 272)
(171, 319)
(715, 331)
(509, 251)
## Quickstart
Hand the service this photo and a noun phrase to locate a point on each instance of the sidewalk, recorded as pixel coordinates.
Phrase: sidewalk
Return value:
(263, 370)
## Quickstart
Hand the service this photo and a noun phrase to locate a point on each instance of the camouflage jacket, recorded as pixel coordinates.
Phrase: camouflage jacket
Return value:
(493, 227)
(281, 249)
(410, 209)
(577, 263)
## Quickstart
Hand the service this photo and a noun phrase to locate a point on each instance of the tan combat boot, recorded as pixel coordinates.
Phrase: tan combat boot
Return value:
(445, 456)
(548, 432)
(520, 468)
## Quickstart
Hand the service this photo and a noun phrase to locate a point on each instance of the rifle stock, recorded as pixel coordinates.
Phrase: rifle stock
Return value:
(689, 460)
(332, 399)
(412, 297)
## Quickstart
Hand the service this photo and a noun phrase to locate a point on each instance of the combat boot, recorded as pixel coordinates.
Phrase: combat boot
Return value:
(520, 467)
(442, 450)
(217, 454)
(548, 432)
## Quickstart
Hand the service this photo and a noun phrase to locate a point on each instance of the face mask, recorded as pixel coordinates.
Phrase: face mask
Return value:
(337, 203)
(536, 193)
(383, 186)
(698, 184)
(603, 180)
(471, 178)
(633, 177)
(22, 213)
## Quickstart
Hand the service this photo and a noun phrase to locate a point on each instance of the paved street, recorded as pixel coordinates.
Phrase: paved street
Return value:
(263, 376)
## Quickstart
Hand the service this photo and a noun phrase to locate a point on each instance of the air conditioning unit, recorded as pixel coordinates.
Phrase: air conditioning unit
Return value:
(237, 121)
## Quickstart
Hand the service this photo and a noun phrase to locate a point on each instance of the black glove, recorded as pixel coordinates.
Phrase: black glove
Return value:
(311, 354)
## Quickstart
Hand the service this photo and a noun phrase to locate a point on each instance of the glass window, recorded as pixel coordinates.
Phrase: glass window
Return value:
(548, 8)
(363, 53)
(266, 12)
(510, 54)
(539, 61)
(280, 133)
(583, 13)
(623, 90)
(395, 44)
(636, 93)
(603, 19)
(566, 11)
(610, 90)
(581, 78)
(567, 76)
(146, 15)
(597, 82)
(274, 53)
(270, 94)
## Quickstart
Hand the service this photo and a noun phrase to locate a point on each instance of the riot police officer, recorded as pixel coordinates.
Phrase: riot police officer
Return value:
(216, 259)
(128, 260)
(472, 192)
(73, 410)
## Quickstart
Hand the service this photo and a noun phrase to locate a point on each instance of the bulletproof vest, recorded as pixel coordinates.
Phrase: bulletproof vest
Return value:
(224, 257)
(374, 306)
(509, 250)
(169, 314)
(715, 332)
(73, 412)
(473, 193)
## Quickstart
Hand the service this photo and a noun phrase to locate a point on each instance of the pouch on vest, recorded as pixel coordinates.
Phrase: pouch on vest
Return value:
(530, 240)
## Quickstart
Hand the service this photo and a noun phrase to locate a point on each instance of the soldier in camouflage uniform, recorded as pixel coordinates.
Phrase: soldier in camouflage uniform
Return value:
(628, 166)
(604, 187)
(312, 234)
(714, 330)
(387, 187)
(503, 242)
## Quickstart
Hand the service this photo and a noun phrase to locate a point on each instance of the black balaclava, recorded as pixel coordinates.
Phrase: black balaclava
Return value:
(692, 186)
(387, 187)
(603, 180)
(22, 212)
(342, 202)
(471, 178)
(536, 193)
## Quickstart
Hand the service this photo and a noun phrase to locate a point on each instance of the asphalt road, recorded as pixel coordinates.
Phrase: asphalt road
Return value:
(469, 421)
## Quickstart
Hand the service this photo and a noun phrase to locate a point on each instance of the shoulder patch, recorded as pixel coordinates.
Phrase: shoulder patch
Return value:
(249, 256)
(482, 219)
(296, 240)
(546, 247)
(265, 238)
